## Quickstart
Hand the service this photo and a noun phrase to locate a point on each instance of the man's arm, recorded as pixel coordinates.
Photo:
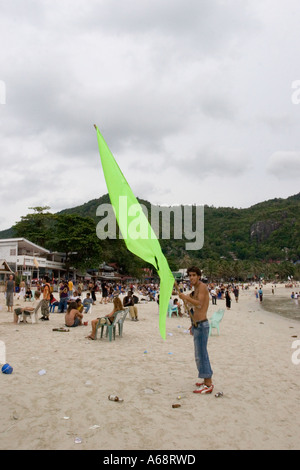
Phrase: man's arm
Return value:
(195, 301)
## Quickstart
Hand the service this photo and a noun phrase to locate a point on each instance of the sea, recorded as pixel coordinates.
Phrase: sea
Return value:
(289, 308)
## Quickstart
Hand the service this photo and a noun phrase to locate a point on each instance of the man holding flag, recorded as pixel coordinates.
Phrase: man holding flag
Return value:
(199, 301)
(148, 248)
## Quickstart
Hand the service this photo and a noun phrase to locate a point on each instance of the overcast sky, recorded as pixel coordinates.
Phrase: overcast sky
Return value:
(193, 97)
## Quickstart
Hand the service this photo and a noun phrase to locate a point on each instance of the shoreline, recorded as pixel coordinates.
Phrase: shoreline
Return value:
(285, 307)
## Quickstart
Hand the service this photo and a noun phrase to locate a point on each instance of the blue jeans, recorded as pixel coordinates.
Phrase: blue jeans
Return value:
(63, 304)
(200, 334)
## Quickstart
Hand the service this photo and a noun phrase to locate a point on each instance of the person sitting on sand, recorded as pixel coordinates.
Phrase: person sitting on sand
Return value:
(177, 304)
(79, 305)
(87, 302)
(110, 317)
(73, 317)
(28, 294)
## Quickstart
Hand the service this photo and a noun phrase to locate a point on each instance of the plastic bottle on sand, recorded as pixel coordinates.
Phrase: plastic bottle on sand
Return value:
(114, 398)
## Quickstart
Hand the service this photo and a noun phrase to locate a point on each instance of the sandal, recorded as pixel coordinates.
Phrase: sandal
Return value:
(204, 389)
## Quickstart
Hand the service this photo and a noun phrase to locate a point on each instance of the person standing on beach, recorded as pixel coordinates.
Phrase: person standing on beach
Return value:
(22, 289)
(236, 293)
(228, 299)
(130, 301)
(260, 293)
(10, 291)
(199, 300)
(213, 296)
(104, 292)
(70, 286)
(63, 297)
(44, 303)
(92, 289)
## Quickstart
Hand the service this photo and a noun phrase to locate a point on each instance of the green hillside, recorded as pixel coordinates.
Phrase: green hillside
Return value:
(236, 241)
(268, 231)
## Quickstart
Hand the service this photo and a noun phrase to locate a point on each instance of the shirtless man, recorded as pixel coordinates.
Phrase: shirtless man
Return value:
(198, 302)
(73, 317)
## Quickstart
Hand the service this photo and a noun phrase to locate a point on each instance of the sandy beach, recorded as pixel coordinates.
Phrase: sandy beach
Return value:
(68, 407)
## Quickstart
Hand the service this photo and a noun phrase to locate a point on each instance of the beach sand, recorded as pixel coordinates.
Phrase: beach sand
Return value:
(251, 360)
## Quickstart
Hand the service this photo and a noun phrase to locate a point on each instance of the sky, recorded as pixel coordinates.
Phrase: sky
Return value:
(198, 100)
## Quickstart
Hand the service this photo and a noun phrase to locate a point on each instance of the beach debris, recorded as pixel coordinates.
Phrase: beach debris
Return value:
(170, 334)
(7, 369)
(294, 336)
(15, 415)
(176, 405)
(219, 394)
(115, 398)
(145, 352)
(149, 390)
(60, 329)
(95, 426)
(170, 353)
(66, 417)
(88, 382)
(78, 440)
(42, 372)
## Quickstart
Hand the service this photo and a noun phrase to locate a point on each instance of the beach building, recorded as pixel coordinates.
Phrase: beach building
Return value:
(104, 272)
(5, 271)
(25, 258)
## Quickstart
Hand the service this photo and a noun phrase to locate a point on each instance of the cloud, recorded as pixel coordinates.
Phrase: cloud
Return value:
(284, 164)
(181, 90)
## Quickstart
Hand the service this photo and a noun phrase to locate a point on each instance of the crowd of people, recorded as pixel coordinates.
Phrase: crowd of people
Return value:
(76, 298)
(67, 295)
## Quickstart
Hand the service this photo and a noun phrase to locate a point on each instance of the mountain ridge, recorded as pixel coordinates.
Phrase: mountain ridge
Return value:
(267, 231)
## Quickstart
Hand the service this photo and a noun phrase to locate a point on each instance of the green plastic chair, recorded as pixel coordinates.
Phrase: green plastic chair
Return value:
(110, 327)
(215, 320)
(121, 320)
(172, 310)
(102, 322)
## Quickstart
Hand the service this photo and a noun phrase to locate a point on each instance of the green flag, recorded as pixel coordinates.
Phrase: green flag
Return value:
(142, 242)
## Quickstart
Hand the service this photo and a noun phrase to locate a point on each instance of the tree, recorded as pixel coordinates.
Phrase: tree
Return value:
(76, 237)
(36, 227)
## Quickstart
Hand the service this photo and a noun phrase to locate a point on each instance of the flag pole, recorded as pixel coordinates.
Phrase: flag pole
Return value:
(185, 304)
